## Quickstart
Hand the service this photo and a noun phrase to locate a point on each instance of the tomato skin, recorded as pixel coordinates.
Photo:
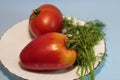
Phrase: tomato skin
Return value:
(49, 19)
(49, 7)
(47, 52)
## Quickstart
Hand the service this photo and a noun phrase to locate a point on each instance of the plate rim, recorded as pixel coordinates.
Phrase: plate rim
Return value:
(28, 79)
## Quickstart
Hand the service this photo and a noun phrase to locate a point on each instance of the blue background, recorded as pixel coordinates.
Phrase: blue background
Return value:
(108, 11)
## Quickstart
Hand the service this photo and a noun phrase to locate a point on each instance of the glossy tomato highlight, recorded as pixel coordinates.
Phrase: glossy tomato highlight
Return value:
(44, 19)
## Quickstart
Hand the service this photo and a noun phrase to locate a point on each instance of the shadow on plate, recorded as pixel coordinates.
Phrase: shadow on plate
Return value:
(59, 71)
(101, 65)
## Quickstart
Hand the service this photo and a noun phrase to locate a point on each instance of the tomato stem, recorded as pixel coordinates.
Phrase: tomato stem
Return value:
(36, 11)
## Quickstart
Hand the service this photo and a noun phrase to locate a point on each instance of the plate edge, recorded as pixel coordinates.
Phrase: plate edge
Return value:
(9, 72)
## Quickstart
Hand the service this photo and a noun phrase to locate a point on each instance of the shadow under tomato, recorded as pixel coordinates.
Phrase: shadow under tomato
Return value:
(58, 71)
(30, 34)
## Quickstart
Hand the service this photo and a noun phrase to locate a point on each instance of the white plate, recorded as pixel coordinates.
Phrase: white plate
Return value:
(16, 38)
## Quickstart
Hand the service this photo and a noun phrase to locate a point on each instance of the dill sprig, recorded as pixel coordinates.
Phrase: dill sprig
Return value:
(83, 38)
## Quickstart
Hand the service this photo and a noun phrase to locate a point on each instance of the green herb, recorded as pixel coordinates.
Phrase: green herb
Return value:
(83, 38)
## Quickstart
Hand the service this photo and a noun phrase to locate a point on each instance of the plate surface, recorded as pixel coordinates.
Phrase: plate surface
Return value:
(17, 37)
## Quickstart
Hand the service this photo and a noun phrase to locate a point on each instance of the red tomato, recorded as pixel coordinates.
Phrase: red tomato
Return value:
(47, 52)
(46, 18)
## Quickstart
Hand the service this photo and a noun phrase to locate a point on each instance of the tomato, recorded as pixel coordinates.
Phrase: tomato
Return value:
(44, 19)
(47, 52)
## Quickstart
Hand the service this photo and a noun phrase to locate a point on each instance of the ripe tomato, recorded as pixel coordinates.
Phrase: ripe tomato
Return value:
(46, 18)
(47, 52)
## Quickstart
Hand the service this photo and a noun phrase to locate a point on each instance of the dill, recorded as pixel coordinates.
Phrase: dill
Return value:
(83, 38)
